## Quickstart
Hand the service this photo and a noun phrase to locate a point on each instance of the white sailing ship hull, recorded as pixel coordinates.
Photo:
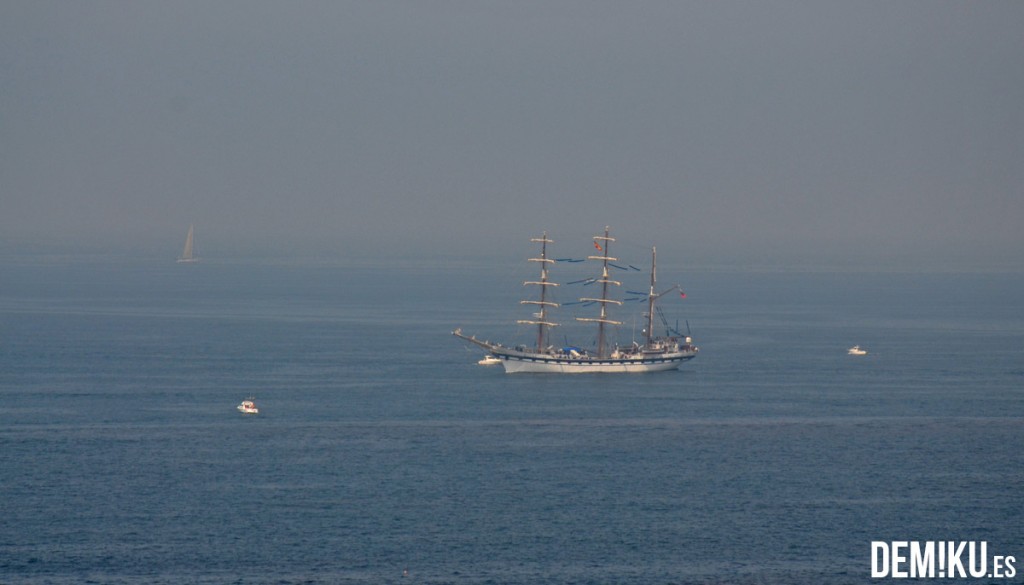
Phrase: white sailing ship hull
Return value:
(523, 364)
(517, 360)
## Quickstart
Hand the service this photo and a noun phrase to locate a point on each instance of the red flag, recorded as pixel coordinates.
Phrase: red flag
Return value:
(596, 245)
(682, 295)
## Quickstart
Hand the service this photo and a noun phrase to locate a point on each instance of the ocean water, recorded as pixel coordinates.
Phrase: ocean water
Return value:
(384, 454)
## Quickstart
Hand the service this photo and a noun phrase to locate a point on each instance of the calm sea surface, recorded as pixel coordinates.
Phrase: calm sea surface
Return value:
(384, 454)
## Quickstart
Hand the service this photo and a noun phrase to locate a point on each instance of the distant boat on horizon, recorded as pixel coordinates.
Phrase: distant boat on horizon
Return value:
(187, 255)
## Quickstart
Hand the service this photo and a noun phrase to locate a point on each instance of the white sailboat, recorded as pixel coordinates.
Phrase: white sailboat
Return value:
(187, 255)
(655, 354)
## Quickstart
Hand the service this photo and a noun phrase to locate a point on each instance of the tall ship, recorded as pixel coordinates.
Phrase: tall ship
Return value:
(656, 353)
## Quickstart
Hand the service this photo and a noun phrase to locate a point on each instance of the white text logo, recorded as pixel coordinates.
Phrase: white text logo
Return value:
(902, 559)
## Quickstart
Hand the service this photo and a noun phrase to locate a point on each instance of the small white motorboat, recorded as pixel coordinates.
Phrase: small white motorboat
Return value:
(248, 407)
(489, 360)
(856, 350)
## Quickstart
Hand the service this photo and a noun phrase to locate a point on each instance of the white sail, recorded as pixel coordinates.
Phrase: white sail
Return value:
(187, 255)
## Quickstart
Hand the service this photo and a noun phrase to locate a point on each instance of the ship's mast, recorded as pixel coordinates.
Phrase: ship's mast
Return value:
(602, 318)
(542, 317)
(652, 296)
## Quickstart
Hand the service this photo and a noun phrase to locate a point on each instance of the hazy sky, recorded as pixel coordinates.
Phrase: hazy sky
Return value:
(761, 131)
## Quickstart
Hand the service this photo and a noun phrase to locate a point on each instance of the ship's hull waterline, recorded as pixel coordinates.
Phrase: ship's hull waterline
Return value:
(517, 364)
(516, 360)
